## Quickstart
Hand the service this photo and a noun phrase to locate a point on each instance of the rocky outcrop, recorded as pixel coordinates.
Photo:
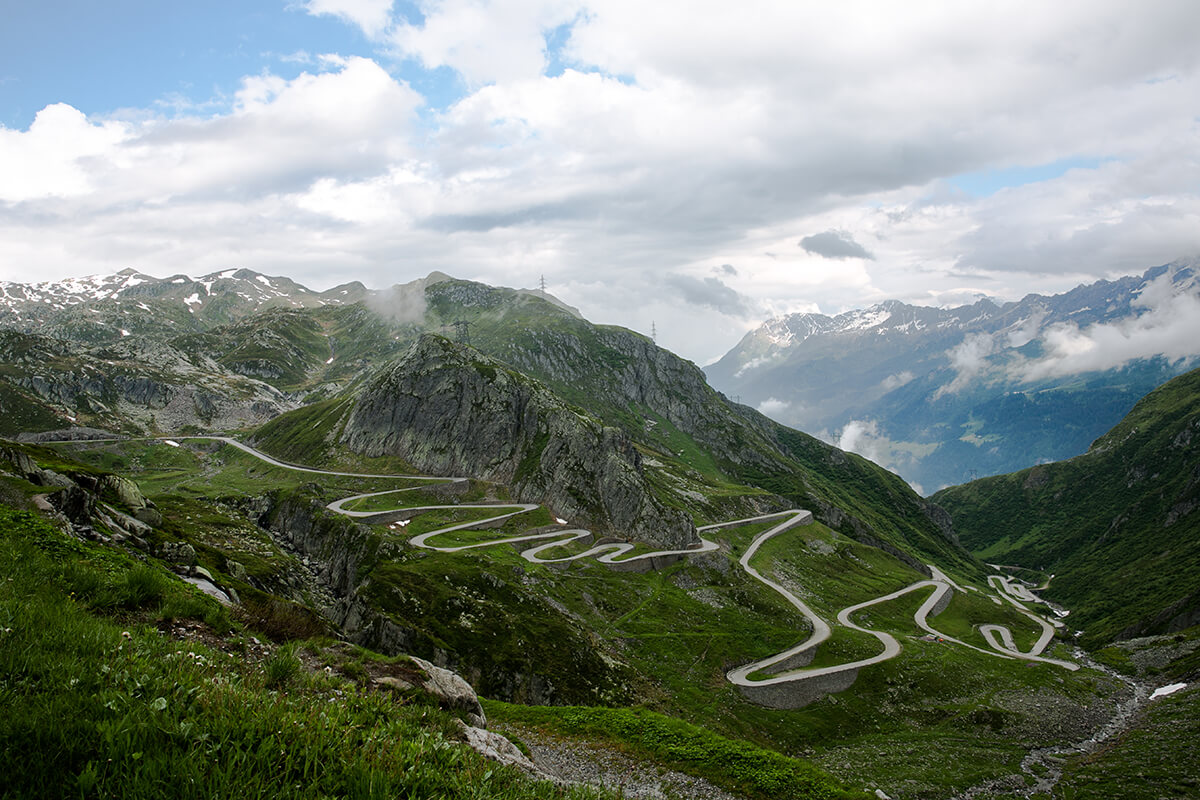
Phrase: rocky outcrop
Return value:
(339, 547)
(450, 410)
(353, 595)
(124, 490)
(76, 501)
(622, 370)
(625, 379)
(453, 693)
(135, 383)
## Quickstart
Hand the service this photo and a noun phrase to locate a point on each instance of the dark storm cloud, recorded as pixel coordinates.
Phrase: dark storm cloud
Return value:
(710, 293)
(833, 244)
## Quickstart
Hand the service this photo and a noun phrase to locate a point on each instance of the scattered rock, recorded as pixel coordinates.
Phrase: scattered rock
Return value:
(394, 683)
(126, 523)
(575, 761)
(74, 503)
(151, 516)
(237, 571)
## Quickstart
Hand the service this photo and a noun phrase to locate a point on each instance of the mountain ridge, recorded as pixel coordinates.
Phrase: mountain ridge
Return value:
(921, 389)
(1118, 525)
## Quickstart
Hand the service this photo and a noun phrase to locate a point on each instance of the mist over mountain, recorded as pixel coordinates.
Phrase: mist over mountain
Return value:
(944, 395)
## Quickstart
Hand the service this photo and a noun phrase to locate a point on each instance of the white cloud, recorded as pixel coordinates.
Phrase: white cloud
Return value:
(1169, 326)
(773, 408)
(896, 381)
(485, 41)
(681, 136)
(968, 359)
(279, 136)
(373, 16)
(753, 364)
(1028, 330)
(50, 159)
(864, 437)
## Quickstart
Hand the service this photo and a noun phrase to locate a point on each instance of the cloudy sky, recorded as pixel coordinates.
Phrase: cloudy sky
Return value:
(699, 165)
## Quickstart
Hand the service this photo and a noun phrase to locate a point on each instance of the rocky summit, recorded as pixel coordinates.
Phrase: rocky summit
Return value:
(449, 410)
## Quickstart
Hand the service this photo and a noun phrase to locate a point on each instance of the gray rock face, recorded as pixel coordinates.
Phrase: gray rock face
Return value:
(75, 503)
(451, 691)
(124, 490)
(638, 374)
(499, 749)
(450, 410)
(178, 553)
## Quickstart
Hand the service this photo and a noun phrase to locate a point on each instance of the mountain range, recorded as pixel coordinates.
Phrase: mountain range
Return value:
(539, 421)
(945, 395)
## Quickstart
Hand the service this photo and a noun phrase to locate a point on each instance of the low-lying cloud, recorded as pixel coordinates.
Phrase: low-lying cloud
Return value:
(1169, 327)
(864, 437)
(774, 408)
(968, 359)
(896, 381)
(403, 304)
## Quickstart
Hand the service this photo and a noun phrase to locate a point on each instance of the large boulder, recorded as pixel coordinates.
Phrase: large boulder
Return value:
(124, 490)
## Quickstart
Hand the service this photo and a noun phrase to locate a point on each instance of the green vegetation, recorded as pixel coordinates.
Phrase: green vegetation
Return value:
(735, 765)
(20, 412)
(304, 434)
(586, 634)
(105, 706)
(1117, 526)
(409, 497)
(206, 468)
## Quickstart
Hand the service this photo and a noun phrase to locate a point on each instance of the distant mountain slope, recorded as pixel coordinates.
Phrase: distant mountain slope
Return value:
(106, 307)
(941, 395)
(704, 454)
(132, 385)
(1119, 526)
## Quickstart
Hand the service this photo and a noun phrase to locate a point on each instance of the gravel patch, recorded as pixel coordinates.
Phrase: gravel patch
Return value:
(595, 764)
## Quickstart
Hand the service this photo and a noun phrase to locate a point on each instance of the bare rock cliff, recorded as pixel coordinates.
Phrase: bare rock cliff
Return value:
(450, 410)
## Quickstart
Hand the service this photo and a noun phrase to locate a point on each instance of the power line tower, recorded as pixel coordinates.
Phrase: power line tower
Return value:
(542, 285)
(653, 332)
(462, 331)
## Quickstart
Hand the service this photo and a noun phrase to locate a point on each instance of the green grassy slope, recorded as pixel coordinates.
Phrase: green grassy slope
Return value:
(228, 718)
(98, 703)
(1118, 526)
(934, 719)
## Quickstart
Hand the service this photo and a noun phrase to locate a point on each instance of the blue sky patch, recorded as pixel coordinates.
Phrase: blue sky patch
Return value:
(988, 182)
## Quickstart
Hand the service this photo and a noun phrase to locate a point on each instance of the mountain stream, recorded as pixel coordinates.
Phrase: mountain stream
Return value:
(1044, 765)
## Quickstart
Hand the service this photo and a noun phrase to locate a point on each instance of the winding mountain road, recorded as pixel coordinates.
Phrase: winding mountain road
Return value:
(998, 637)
